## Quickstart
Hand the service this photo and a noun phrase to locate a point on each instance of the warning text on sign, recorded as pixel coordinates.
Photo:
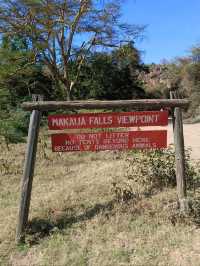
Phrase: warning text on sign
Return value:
(109, 141)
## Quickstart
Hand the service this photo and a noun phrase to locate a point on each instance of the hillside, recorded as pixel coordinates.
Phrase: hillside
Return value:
(181, 75)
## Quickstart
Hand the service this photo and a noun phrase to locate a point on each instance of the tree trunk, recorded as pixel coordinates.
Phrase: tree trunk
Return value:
(67, 93)
(66, 84)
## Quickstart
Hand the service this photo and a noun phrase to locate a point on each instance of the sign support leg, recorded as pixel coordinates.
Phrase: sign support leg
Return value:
(172, 110)
(180, 160)
(28, 173)
(177, 121)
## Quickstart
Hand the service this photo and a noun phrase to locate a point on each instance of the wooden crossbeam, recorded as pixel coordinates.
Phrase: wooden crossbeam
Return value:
(133, 104)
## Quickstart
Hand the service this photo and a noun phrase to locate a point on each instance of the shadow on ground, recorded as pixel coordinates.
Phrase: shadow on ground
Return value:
(59, 220)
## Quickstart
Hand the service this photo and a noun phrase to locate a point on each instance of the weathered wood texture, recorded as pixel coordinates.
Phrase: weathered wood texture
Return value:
(172, 96)
(28, 173)
(180, 153)
(132, 104)
(180, 157)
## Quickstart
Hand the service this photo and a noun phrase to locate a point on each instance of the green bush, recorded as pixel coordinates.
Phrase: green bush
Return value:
(13, 126)
(151, 171)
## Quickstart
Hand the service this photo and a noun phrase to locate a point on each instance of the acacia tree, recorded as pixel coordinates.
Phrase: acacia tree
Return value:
(111, 76)
(61, 33)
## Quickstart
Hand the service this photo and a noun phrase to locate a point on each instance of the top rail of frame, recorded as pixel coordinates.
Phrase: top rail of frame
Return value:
(143, 104)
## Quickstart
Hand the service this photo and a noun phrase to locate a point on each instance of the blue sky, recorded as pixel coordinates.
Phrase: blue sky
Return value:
(173, 26)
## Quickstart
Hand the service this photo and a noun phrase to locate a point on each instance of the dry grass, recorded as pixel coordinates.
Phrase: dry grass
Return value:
(75, 220)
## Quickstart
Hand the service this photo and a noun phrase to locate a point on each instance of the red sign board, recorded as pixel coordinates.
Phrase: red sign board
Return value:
(108, 120)
(101, 141)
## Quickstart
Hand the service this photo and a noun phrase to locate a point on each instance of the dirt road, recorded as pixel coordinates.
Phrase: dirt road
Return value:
(191, 136)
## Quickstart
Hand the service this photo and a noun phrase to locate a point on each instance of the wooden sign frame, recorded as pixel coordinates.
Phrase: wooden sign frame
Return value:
(38, 105)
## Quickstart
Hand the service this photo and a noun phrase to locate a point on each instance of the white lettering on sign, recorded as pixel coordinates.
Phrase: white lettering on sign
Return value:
(109, 140)
(68, 122)
(139, 140)
(116, 135)
(67, 148)
(138, 118)
(106, 120)
(68, 142)
(100, 121)
(111, 147)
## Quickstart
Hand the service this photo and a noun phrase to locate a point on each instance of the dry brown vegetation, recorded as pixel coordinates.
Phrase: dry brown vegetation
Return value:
(76, 220)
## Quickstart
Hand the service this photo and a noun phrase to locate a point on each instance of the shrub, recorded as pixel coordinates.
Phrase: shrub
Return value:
(151, 171)
(14, 126)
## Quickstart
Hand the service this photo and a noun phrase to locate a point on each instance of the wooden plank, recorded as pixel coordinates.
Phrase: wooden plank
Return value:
(102, 141)
(27, 179)
(132, 104)
(108, 120)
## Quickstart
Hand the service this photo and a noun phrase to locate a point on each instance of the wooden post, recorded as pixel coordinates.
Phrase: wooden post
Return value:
(28, 173)
(180, 159)
(172, 109)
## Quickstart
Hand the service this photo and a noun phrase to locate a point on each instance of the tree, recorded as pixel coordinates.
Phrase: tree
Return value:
(111, 76)
(17, 75)
(62, 32)
(18, 80)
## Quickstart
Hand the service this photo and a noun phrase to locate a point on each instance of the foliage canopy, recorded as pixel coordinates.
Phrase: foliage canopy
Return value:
(60, 32)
